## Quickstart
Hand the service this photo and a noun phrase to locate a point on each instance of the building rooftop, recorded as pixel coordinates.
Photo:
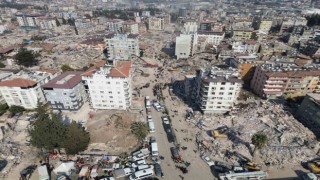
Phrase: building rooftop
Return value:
(210, 33)
(315, 97)
(66, 80)
(26, 78)
(221, 74)
(119, 69)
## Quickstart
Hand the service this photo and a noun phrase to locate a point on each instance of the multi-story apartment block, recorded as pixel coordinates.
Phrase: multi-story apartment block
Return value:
(121, 46)
(309, 110)
(271, 80)
(217, 89)
(131, 27)
(245, 47)
(65, 92)
(213, 38)
(109, 86)
(190, 26)
(242, 34)
(265, 26)
(205, 26)
(24, 88)
(28, 20)
(155, 23)
(246, 68)
(114, 25)
(185, 45)
(46, 23)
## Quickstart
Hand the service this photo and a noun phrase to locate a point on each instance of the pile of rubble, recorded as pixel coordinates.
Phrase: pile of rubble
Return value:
(289, 142)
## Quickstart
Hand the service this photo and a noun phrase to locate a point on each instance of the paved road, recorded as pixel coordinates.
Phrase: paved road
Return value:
(198, 170)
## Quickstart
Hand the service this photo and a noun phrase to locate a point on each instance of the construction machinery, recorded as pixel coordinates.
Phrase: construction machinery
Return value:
(314, 166)
(252, 166)
(221, 132)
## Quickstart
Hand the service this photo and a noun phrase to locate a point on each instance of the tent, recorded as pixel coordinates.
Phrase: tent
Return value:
(64, 168)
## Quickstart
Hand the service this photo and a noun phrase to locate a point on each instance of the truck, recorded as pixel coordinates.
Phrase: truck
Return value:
(123, 172)
(43, 173)
(244, 175)
(175, 155)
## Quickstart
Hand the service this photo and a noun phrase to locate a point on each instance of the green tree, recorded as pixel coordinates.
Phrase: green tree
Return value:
(64, 21)
(3, 108)
(58, 22)
(140, 130)
(76, 139)
(66, 68)
(48, 131)
(259, 140)
(2, 65)
(16, 109)
(26, 58)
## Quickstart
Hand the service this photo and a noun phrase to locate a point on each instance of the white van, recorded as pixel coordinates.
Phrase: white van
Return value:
(142, 174)
(148, 105)
(144, 166)
(138, 163)
(154, 149)
(151, 127)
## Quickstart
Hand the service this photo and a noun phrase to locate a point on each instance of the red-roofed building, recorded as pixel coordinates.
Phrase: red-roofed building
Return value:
(24, 88)
(109, 86)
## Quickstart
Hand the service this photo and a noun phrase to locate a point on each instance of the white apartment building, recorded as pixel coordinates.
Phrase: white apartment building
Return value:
(46, 23)
(109, 86)
(265, 26)
(24, 88)
(131, 27)
(121, 46)
(28, 20)
(156, 23)
(245, 47)
(213, 38)
(217, 89)
(114, 25)
(190, 27)
(185, 45)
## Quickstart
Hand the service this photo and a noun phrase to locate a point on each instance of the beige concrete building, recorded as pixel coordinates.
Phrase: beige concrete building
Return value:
(156, 23)
(265, 26)
(242, 34)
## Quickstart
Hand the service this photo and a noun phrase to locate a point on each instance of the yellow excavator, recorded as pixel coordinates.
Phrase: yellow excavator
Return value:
(252, 166)
(220, 132)
(314, 166)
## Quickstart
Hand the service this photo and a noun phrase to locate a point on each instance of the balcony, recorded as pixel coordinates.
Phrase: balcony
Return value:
(273, 86)
(272, 90)
(276, 82)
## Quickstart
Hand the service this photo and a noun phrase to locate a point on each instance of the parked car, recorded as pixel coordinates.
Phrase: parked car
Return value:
(208, 160)
(152, 139)
(157, 106)
(169, 132)
(138, 163)
(165, 120)
(149, 118)
(139, 157)
(144, 166)
(158, 170)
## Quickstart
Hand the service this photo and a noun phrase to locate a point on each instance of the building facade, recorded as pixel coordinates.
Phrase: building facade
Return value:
(28, 20)
(213, 38)
(185, 45)
(121, 46)
(309, 110)
(47, 23)
(190, 27)
(131, 27)
(244, 34)
(65, 92)
(265, 26)
(155, 23)
(269, 81)
(245, 47)
(217, 89)
(24, 88)
(109, 86)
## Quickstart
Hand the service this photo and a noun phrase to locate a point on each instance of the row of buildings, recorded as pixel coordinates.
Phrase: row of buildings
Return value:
(104, 86)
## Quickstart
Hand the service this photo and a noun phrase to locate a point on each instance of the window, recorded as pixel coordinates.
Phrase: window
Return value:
(110, 92)
(101, 92)
(221, 93)
(213, 93)
(222, 88)
(111, 101)
(233, 83)
(231, 88)
(111, 97)
(213, 88)
(230, 93)
(219, 102)
(223, 83)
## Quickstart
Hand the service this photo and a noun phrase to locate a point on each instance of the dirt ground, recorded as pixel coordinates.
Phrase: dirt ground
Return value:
(110, 131)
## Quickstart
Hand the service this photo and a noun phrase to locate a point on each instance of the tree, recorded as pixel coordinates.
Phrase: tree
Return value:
(259, 140)
(140, 130)
(16, 109)
(66, 68)
(48, 131)
(26, 58)
(58, 22)
(64, 22)
(2, 65)
(3, 108)
(76, 140)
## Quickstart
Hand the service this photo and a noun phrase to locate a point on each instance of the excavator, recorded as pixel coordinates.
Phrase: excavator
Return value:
(220, 132)
(314, 166)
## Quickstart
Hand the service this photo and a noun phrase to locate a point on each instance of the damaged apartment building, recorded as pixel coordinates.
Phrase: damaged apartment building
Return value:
(214, 90)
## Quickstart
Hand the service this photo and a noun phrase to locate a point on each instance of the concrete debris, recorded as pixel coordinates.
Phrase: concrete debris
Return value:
(289, 142)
